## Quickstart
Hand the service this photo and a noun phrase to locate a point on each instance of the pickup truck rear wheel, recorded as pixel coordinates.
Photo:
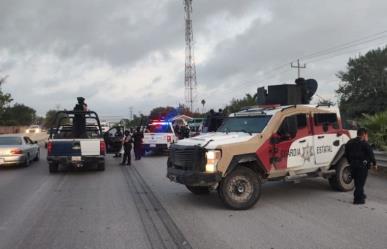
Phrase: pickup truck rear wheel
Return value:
(199, 190)
(101, 166)
(343, 180)
(240, 189)
(53, 167)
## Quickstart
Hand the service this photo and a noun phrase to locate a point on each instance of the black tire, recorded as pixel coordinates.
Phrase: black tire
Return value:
(37, 158)
(343, 180)
(241, 189)
(53, 167)
(27, 162)
(199, 190)
(101, 167)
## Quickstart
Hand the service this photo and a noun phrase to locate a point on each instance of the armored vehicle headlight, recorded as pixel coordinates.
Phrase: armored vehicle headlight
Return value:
(213, 157)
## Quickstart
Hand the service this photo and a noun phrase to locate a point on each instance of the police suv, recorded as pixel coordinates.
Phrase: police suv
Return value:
(263, 144)
(159, 136)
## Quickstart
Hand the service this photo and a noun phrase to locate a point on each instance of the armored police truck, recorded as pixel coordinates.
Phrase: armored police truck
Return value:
(267, 142)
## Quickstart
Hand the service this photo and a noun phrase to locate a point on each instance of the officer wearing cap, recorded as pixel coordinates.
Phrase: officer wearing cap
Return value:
(360, 157)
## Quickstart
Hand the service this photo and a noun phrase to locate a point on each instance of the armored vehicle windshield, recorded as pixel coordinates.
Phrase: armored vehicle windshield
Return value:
(249, 124)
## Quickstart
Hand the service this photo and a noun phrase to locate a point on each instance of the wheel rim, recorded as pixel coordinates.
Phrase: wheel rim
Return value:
(240, 189)
(347, 175)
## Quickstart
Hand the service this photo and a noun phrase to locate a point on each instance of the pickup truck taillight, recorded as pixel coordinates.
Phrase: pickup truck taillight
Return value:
(169, 139)
(49, 148)
(102, 147)
(16, 152)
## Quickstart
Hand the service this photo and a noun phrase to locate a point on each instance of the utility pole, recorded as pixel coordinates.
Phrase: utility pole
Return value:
(299, 67)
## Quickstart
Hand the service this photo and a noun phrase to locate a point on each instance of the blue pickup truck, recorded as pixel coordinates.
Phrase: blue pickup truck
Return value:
(66, 146)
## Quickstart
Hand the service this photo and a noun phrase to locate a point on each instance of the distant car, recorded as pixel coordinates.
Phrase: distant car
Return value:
(17, 149)
(34, 129)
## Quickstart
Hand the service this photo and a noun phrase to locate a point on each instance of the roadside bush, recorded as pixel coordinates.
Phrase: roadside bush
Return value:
(377, 129)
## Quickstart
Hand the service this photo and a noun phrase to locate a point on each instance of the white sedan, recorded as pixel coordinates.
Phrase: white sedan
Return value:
(34, 129)
(16, 149)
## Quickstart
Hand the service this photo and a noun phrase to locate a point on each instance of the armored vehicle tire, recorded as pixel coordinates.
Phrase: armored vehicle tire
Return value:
(53, 167)
(240, 189)
(343, 180)
(101, 166)
(199, 190)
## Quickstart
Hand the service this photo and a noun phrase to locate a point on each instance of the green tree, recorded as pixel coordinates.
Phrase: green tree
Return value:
(49, 120)
(237, 104)
(163, 112)
(364, 87)
(138, 120)
(5, 98)
(19, 114)
(377, 128)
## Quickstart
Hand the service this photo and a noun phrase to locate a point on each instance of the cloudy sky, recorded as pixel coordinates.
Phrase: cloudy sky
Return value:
(126, 53)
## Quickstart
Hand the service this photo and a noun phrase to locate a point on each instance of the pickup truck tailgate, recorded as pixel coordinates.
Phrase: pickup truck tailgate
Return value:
(155, 138)
(90, 147)
(75, 147)
(65, 148)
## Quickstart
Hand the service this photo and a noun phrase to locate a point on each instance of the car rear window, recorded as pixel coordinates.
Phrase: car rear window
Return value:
(160, 128)
(10, 141)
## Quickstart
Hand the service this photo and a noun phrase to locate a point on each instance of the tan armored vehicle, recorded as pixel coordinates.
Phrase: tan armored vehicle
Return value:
(263, 143)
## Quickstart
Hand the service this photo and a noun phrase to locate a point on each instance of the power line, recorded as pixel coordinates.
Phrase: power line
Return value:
(316, 59)
(333, 51)
(345, 46)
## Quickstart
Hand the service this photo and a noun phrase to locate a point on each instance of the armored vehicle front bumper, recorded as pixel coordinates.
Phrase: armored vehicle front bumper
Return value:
(186, 165)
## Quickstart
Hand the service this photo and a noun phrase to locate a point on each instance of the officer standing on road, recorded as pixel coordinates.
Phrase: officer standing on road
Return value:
(118, 137)
(127, 144)
(360, 156)
(137, 137)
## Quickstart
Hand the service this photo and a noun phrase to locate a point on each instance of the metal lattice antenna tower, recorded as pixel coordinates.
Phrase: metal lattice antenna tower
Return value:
(190, 68)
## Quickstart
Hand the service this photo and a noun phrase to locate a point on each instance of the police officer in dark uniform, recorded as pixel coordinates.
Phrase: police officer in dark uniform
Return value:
(118, 136)
(137, 137)
(360, 157)
(79, 121)
(127, 144)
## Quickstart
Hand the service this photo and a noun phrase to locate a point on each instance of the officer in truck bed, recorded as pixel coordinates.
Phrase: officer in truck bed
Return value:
(360, 156)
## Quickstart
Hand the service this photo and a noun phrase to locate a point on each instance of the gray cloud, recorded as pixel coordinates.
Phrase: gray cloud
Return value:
(130, 53)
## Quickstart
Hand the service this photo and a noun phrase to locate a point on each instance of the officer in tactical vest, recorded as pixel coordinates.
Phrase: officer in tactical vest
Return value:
(127, 144)
(79, 121)
(138, 136)
(360, 156)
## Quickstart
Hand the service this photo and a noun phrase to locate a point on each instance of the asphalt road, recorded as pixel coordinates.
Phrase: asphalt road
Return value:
(137, 207)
